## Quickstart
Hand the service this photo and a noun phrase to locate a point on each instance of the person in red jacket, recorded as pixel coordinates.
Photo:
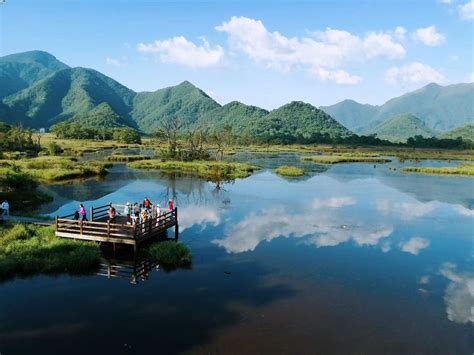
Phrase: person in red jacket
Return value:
(147, 203)
(170, 205)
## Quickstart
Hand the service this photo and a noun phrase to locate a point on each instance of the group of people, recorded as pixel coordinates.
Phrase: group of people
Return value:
(134, 213)
(139, 213)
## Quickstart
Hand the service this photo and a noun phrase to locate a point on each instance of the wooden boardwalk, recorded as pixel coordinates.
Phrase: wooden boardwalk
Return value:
(99, 229)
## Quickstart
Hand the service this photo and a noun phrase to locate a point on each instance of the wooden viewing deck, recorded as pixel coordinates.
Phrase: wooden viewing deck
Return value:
(99, 229)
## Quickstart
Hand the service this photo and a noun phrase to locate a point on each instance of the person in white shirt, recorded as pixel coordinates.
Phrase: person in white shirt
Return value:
(158, 214)
(5, 208)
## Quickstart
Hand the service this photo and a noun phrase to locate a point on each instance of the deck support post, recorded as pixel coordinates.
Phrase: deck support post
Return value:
(57, 223)
(92, 214)
(108, 229)
(80, 226)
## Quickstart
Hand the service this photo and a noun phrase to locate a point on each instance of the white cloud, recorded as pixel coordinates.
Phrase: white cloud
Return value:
(323, 223)
(333, 202)
(405, 210)
(447, 2)
(466, 11)
(113, 61)
(336, 76)
(470, 78)
(179, 50)
(413, 73)
(414, 245)
(429, 36)
(197, 215)
(400, 32)
(459, 296)
(322, 53)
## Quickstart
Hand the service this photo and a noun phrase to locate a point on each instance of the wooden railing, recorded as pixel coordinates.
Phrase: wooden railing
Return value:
(102, 212)
(95, 228)
(156, 224)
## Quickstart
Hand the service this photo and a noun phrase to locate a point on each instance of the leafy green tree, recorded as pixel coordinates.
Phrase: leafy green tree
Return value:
(127, 135)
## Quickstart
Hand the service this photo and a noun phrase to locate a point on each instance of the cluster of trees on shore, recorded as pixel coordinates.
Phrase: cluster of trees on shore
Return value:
(67, 130)
(16, 138)
(188, 142)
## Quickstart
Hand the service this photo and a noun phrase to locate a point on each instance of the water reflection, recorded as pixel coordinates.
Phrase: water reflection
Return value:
(414, 245)
(459, 295)
(324, 222)
(132, 270)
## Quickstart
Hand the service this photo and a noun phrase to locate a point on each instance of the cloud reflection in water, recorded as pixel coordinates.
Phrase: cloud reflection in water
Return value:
(459, 296)
(324, 222)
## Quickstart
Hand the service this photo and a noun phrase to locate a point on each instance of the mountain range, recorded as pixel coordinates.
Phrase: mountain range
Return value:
(440, 107)
(38, 91)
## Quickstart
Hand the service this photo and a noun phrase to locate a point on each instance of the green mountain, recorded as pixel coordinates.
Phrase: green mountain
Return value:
(67, 93)
(351, 114)
(184, 101)
(18, 71)
(400, 128)
(466, 132)
(235, 114)
(101, 116)
(298, 121)
(440, 107)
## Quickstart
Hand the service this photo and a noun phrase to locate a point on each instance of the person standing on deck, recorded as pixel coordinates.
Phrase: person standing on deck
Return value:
(147, 203)
(5, 208)
(170, 205)
(127, 212)
(112, 214)
(82, 213)
(158, 214)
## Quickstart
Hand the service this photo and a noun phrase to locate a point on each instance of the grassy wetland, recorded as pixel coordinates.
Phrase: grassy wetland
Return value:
(206, 169)
(29, 249)
(461, 169)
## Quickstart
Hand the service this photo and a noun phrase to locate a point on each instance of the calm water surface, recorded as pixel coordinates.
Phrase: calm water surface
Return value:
(349, 259)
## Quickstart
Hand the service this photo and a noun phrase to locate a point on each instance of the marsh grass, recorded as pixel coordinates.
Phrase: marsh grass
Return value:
(119, 157)
(29, 249)
(206, 169)
(53, 168)
(171, 254)
(291, 171)
(462, 169)
(336, 159)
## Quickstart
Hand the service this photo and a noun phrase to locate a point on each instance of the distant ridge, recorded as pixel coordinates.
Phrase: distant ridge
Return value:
(400, 128)
(439, 107)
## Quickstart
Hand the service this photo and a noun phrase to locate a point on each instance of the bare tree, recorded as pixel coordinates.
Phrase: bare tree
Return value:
(170, 128)
(222, 139)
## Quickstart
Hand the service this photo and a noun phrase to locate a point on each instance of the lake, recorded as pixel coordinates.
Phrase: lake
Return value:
(351, 258)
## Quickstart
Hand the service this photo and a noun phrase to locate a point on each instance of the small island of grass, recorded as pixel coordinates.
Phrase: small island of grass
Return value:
(207, 169)
(345, 158)
(462, 169)
(171, 254)
(291, 171)
(29, 249)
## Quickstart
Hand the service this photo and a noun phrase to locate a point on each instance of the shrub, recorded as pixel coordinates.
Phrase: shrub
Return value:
(28, 249)
(171, 254)
(54, 149)
(127, 135)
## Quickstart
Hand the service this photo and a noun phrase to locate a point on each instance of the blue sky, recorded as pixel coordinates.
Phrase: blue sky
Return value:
(264, 53)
